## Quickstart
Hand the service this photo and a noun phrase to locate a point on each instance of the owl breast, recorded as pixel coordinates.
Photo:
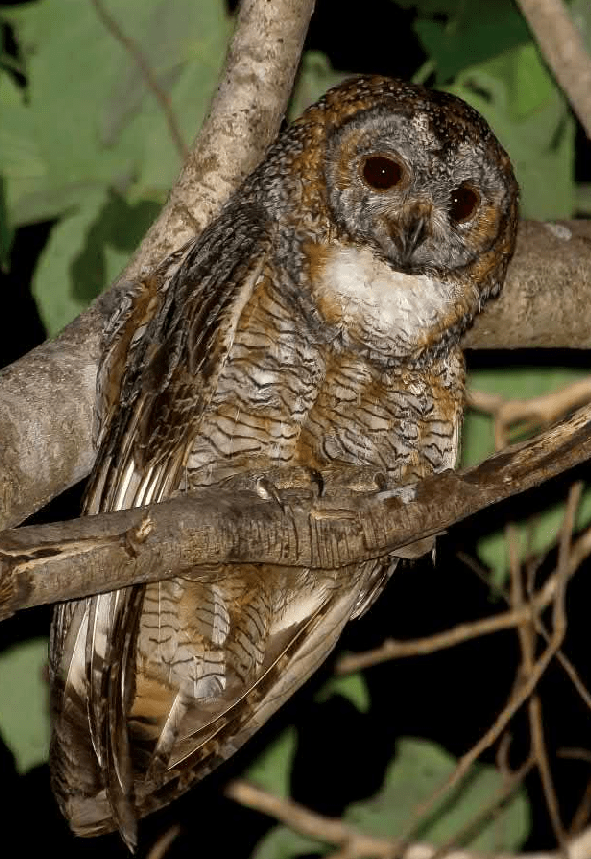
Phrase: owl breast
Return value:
(293, 393)
(390, 315)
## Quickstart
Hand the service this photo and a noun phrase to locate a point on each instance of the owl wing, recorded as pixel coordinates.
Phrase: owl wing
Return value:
(212, 730)
(178, 328)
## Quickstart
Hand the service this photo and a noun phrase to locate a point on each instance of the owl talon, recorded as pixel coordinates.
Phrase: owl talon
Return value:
(407, 494)
(267, 490)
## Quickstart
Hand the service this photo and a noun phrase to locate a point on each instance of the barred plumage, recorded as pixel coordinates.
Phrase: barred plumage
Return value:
(316, 322)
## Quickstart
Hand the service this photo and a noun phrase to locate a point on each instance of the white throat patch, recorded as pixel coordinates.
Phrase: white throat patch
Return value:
(375, 297)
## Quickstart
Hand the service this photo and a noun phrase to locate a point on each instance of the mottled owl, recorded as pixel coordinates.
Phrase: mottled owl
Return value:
(316, 323)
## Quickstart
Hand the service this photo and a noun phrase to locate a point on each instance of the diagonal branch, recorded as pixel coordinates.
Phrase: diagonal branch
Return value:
(236, 523)
(47, 398)
(360, 844)
(564, 51)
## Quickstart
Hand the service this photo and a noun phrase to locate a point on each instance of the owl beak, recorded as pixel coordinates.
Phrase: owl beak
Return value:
(409, 232)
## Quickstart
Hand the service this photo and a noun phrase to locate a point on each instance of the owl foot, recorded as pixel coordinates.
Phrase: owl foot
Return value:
(269, 486)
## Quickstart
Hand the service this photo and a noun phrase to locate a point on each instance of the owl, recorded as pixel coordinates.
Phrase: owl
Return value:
(315, 323)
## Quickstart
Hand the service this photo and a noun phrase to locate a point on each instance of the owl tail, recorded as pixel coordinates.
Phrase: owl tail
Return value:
(174, 733)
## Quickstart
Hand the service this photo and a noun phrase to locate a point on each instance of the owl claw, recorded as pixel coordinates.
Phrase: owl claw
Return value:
(267, 490)
(406, 493)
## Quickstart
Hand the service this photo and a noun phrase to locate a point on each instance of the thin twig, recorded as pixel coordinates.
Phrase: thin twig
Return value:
(527, 641)
(530, 611)
(571, 672)
(137, 55)
(582, 812)
(574, 752)
(519, 695)
(356, 844)
(536, 727)
(559, 631)
(161, 846)
(532, 411)
(489, 810)
(392, 649)
(309, 823)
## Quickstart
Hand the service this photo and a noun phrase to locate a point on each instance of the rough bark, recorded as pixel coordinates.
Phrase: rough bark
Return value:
(237, 523)
(547, 293)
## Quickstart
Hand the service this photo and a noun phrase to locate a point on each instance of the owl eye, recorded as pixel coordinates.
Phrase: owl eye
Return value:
(464, 202)
(381, 173)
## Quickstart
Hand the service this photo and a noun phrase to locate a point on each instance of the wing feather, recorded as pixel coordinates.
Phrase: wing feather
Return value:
(214, 730)
(186, 318)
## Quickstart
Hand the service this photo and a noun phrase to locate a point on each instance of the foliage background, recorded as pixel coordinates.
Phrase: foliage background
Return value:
(86, 160)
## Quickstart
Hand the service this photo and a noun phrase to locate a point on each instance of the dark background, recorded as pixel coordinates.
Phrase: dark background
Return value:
(450, 697)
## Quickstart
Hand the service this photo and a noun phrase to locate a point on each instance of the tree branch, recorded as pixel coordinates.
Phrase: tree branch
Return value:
(237, 523)
(47, 398)
(564, 51)
(547, 293)
(334, 831)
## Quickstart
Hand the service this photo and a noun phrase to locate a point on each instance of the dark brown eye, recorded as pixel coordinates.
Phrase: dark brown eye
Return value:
(381, 173)
(464, 202)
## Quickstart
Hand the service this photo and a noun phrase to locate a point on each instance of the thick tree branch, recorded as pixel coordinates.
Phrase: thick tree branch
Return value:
(564, 51)
(235, 523)
(47, 398)
(547, 293)
(243, 120)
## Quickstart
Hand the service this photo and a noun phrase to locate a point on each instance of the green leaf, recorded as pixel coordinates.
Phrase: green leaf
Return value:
(420, 767)
(24, 713)
(52, 286)
(531, 117)
(272, 769)
(283, 843)
(583, 199)
(86, 250)
(472, 34)
(352, 687)
(89, 112)
(536, 531)
(6, 233)
(90, 124)
(20, 155)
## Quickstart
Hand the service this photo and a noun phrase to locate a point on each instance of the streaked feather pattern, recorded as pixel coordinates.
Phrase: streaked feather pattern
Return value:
(316, 322)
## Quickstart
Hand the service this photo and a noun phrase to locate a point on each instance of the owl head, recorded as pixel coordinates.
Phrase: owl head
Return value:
(419, 174)
(416, 177)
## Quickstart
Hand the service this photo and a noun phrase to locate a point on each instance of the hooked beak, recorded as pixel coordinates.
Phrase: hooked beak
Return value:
(410, 231)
